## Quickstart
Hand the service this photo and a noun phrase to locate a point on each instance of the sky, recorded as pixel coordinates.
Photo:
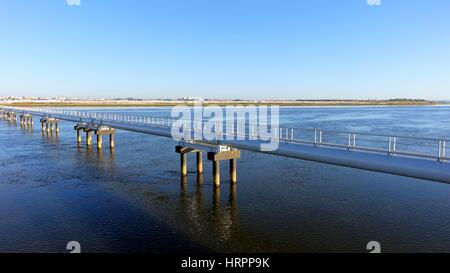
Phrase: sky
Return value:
(227, 49)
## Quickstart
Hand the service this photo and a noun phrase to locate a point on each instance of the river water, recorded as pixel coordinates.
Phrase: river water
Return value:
(131, 200)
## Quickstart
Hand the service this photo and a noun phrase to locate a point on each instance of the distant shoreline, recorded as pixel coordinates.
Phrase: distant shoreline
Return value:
(123, 103)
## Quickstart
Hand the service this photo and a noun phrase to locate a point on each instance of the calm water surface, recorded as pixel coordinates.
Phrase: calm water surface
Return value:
(53, 192)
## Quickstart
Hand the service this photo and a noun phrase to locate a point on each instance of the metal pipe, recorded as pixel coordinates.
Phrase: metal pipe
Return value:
(406, 166)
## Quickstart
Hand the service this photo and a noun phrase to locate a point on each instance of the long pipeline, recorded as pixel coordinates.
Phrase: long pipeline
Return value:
(403, 166)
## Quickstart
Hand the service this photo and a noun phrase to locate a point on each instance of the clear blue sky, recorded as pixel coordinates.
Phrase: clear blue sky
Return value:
(226, 48)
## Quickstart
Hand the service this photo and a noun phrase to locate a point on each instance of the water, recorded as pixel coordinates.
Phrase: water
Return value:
(53, 192)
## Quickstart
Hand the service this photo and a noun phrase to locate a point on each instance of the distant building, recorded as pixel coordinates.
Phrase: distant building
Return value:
(192, 99)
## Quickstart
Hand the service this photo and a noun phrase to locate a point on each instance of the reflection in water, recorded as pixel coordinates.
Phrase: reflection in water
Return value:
(51, 137)
(111, 154)
(199, 179)
(135, 194)
(183, 182)
(204, 218)
(217, 221)
(224, 217)
(233, 202)
(104, 158)
(100, 154)
(26, 128)
(102, 161)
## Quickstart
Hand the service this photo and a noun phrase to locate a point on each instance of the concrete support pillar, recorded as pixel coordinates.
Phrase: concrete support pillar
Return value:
(99, 141)
(183, 162)
(88, 138)
(111, 141)
(199, 163)
(78, 136)
(233, 176)
(216, 173)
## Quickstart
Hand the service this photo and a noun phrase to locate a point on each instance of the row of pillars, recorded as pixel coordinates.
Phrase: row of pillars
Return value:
(99, 132)
(9, 115)
(215, 157)
(49, 125)
(26, 119)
